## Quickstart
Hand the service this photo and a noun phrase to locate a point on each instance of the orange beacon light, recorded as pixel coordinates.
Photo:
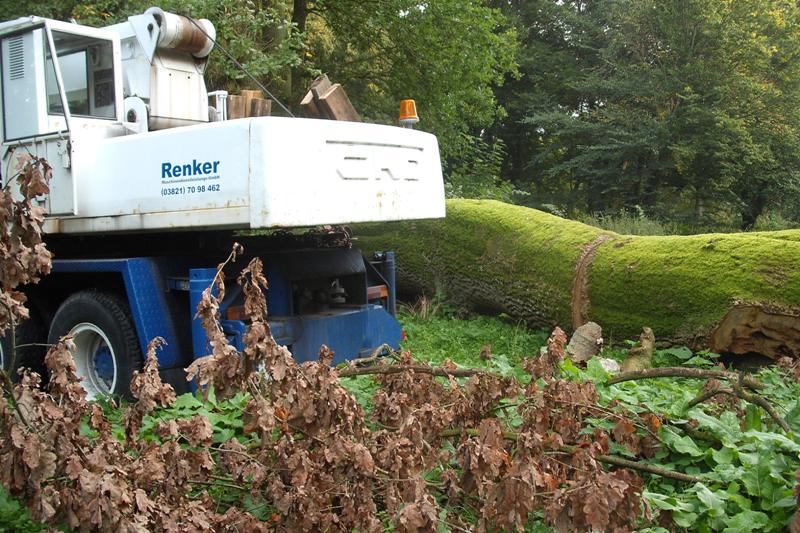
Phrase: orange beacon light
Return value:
(408, 113)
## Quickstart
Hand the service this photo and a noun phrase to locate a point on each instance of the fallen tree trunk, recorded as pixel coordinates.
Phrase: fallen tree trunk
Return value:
(783, 235)
(732, 292)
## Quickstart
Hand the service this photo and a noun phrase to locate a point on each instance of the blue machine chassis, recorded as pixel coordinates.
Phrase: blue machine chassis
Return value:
(350, 330)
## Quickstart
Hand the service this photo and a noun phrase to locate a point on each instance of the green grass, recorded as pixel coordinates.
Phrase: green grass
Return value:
(637, 222)
(626, 223)
(437, 338)
(14, 516)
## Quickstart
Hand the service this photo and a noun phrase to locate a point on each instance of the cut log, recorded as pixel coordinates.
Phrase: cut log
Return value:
(248, 104)
(309, 103)
(329, 101)
(260, 107)
(248, 96)
(236, 107)
(335, 104)
(494, 257)
(756, 328)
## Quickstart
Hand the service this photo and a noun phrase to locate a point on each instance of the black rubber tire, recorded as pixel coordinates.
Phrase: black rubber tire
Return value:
(29, 331)
(111, 315)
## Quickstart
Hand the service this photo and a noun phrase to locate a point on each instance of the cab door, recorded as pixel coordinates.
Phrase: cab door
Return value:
(61, 94)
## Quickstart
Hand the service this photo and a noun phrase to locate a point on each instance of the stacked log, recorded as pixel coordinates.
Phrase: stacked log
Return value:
(329, 101)
(250, 103)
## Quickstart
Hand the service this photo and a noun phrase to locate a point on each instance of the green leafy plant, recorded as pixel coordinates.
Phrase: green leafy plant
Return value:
(15, 517)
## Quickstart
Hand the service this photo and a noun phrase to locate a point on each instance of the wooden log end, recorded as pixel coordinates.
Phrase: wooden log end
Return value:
(311, 109)
(321, 84)
(236, 107)
(758, 328)
(337, 105)
(260, 107)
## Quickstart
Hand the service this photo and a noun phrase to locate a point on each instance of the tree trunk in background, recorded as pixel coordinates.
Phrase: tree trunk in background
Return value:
(299, 18)
(300, 14)
(734, 292)
(699, 208)
(752, 210)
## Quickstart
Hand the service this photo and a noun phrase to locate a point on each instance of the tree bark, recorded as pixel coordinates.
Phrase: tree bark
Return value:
(299, 18)
(501, 258)
(300, 14)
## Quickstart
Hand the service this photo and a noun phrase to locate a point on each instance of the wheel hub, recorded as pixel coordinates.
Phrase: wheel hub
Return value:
(94, 359)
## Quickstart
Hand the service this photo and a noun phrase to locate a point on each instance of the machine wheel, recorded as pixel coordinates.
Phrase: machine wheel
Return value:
(106, 346)
(30, 331)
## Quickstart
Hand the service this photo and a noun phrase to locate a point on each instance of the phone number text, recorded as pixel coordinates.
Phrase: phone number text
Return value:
(189, 189)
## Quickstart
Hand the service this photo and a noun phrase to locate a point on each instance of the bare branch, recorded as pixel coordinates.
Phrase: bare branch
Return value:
(681, 372)
(421, 369)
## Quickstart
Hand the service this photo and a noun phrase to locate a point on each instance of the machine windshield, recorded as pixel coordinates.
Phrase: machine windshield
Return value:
(87, 73)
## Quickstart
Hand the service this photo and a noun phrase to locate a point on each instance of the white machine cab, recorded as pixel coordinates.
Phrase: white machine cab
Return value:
(122, 115)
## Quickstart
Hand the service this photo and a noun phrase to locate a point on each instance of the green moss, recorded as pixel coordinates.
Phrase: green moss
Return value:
(682, 286)
(784, 235)
(490, 255)
(499, 257)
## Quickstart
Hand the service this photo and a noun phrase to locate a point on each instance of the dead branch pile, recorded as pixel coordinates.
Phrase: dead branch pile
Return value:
(308, 451)
(312, 453)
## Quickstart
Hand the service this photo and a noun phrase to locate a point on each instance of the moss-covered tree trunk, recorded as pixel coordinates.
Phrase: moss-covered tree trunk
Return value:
(733, 292)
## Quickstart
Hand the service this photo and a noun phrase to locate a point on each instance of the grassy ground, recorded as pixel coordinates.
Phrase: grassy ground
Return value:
(445, 336)
(636, 222)
(435, 334)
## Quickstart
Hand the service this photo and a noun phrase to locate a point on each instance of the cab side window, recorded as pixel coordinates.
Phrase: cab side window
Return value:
(87, 73)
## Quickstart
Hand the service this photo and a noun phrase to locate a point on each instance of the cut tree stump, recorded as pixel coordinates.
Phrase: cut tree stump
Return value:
(585, 343)
(692, 290)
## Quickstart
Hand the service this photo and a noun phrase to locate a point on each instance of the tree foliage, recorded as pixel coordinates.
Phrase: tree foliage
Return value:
(682, 104)
(258, 34)
(685, 109)
(447, 55)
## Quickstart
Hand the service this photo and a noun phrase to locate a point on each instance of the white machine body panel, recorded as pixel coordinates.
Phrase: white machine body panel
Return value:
(265, 172)
(24, 108)
(308, 172)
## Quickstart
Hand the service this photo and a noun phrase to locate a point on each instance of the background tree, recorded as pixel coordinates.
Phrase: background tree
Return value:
(678, 106)
(682, 109)
(557, 41)
(448, 55)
